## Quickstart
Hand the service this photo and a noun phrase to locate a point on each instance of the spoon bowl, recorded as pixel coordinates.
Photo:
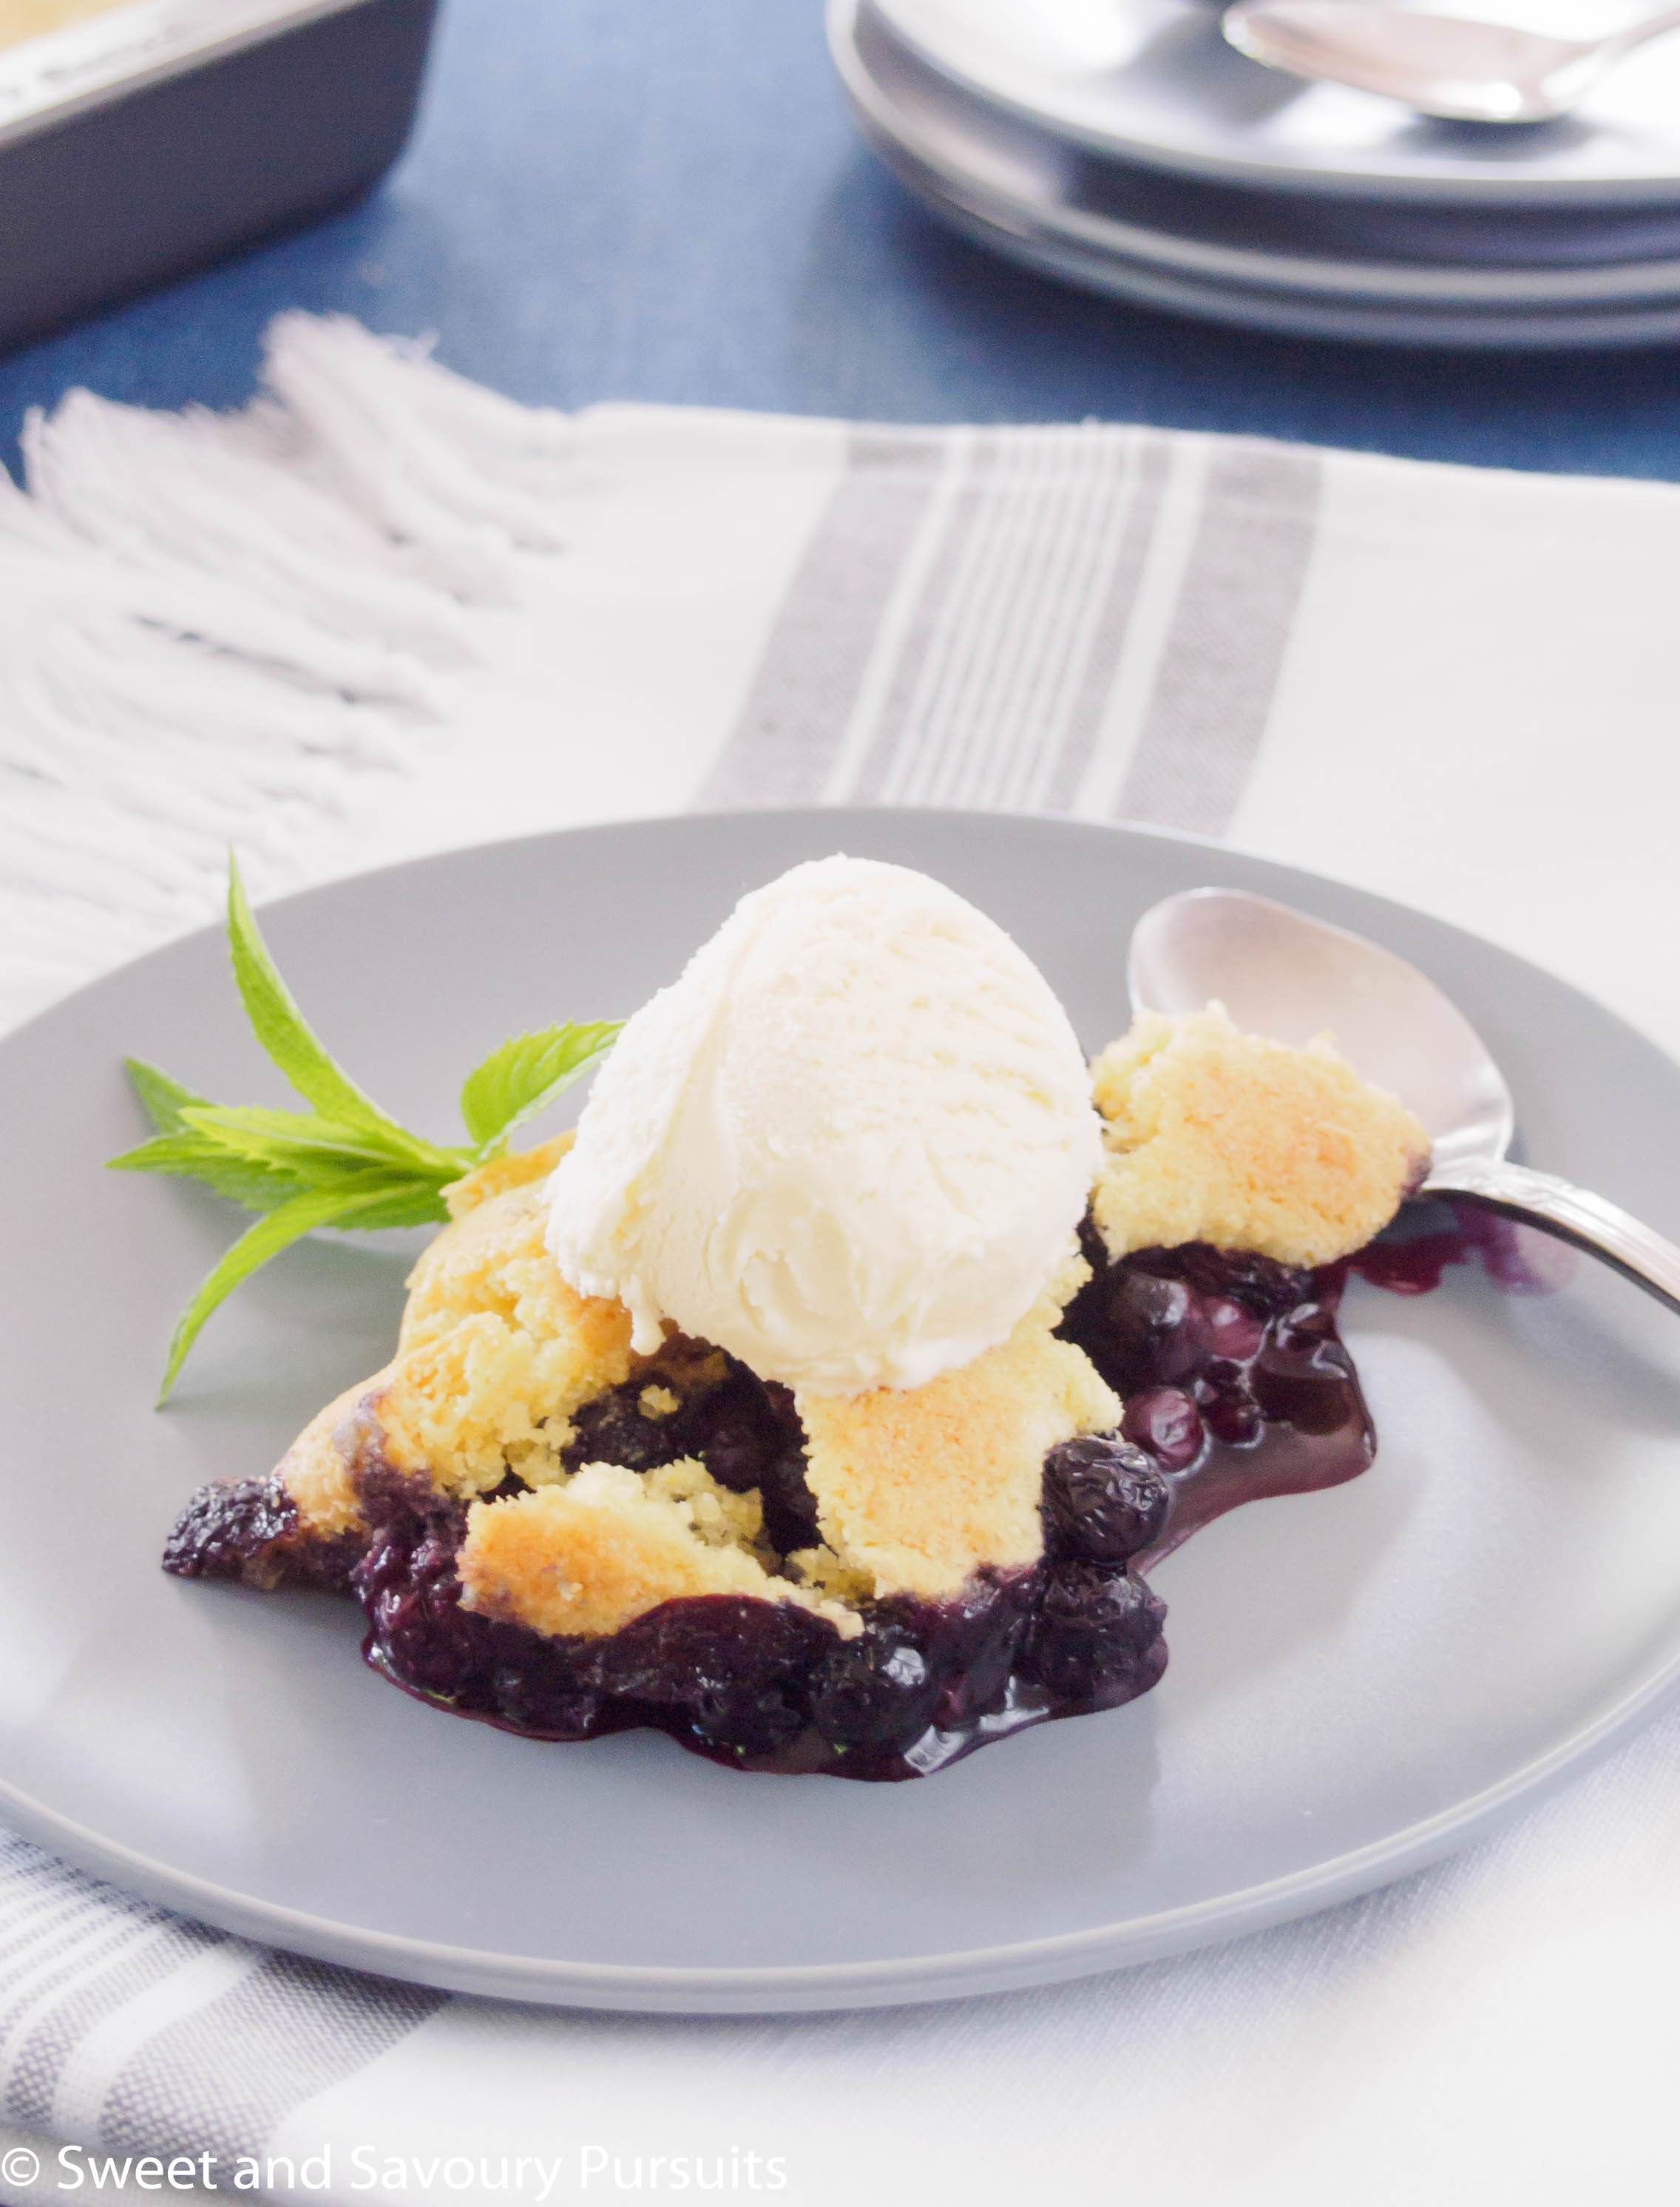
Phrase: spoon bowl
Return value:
(1453, 66)
(1281, 974)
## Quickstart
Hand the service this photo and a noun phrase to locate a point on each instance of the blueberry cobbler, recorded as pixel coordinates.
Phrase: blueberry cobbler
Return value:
(824, 1402)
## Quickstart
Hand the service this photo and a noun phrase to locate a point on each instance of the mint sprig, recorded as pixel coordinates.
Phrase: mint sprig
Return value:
(525, 1075)
(345, 1164)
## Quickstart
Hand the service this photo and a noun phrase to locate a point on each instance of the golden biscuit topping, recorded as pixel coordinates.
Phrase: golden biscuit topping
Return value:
(1215, 1135)
(315, 1469)
(496, 1352)
(1210, 1135)
(919, 1486)
(589, 1557)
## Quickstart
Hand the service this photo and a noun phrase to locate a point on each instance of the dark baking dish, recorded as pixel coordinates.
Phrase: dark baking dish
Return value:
(145, 141)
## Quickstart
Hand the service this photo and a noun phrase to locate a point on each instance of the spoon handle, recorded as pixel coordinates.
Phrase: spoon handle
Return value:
(1556, 1207)
(1636, 34)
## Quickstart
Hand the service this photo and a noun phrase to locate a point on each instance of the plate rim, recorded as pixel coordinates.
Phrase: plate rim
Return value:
(903, 1980)
(909, 1981)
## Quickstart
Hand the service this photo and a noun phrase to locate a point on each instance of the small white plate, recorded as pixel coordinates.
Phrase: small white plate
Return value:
(1360, 1679)
(1153, 81)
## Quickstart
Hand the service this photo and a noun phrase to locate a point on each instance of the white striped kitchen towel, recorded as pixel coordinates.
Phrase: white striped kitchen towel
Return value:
(382, 610)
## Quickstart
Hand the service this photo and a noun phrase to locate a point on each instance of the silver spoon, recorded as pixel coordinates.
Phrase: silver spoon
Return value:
(1449, 65)
(1279, 973)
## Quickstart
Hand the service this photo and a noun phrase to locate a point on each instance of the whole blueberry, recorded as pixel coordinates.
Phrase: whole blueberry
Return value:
(1231, 1330)
(1094, 1631)
(1167, 1423)
(748, 1719)
(1147, 1341)
(1104, 1499)
(877, 1690)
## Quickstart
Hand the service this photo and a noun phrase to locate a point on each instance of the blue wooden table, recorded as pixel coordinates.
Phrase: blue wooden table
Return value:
(664, 199)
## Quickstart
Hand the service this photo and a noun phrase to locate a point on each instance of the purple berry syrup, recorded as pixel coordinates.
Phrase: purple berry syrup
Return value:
(1236, 1386)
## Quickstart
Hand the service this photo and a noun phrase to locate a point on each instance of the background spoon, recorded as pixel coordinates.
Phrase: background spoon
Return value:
(1279, 972)
(1448, 65)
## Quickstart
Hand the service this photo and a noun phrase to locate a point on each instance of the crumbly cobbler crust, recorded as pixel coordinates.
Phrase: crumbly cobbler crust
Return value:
(315, 1470)
(915, 1489)
(496, 1351)
(553, 1533)
(1215, 1135)
(1212, 1136)
(610, 1545)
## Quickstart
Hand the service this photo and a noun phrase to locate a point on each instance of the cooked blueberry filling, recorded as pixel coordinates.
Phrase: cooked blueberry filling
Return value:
(1105, 1499)
(1092, 1629)
(249, 1530)
(1437, 1235)
(1235, 1381)
(1236, 1386)
(746, 1433)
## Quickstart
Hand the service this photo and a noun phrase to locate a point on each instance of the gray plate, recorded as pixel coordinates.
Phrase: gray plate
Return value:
(1293, 262)
(1360, 1680)
(1153, 81)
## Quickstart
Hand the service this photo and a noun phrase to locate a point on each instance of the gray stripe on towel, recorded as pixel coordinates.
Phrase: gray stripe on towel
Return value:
(94, 1982)
(222, 2080)
(797, 711)
(947, 587)
(1213, 695)
(74, 1952)
(955, 629)
(1146, 478)
(994, 667)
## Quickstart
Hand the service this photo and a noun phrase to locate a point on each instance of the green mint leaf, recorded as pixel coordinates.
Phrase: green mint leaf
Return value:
(420, 1206)
(345, 1164)
(161, 1097)
(189, 1156)
(338, 1206)
(526, 1074)
(304, 1142)
(284, 1031)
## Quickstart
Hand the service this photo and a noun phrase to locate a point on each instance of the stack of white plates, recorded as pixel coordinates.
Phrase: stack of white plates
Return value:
(1123, 145)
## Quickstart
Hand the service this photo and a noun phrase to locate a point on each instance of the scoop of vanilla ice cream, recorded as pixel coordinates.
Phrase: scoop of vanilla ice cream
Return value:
(850, 1145)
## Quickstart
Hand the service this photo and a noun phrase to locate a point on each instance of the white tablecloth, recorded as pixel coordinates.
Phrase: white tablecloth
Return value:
(384, 613)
